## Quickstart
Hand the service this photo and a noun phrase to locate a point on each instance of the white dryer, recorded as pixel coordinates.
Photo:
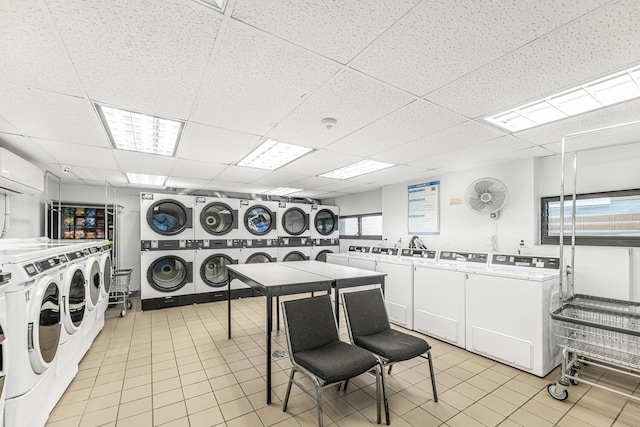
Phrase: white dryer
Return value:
(258, 220)
(167, 278)
(319, 253)
(166, 217)
(258, 251)
(324, 222)
(216, 218)
(33, 300)
(212, 277)
(294, 220)
(294, 253)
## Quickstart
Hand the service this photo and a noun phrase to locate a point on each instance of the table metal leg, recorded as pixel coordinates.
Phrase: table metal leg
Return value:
(269, 328)
(278, 312)
(337, 304)
(229, 305)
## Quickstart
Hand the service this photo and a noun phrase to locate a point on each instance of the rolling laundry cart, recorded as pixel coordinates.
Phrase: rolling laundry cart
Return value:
(119, 290)
(592, 330)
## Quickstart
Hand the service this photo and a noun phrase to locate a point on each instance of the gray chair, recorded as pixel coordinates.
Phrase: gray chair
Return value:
(368, 325)
(316, 351)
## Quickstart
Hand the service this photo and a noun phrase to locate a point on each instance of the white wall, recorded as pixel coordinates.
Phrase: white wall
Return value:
(25, 217)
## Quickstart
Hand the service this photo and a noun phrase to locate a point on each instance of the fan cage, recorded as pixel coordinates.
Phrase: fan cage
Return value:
(486, 196)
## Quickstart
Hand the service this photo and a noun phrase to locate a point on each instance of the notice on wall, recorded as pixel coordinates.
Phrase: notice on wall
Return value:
(424, 208)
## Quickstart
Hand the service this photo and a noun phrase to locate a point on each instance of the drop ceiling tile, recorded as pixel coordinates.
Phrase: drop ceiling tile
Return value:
(223, 146)
(144, 56)
(279, 179)
(344, 185)
(393, 174)
(113, 177)
(463, 135)
(26, 148)
(52, 116)
(216, 185)
(153, 164)
(311, 183)
(199, 170)
(353, 99)
(254, 188)
(439, 42)
(7, 127)
(596, 44)
(319, 162)
(31, 54)
(554, 132)
(241, 174)
(623, 135)
(338, 30)
(191, 183)
(412, 121)
(78, 154)
(257, 80)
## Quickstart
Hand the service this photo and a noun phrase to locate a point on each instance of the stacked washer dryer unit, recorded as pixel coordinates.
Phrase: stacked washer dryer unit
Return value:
(34, 305)
(167, 250)
(325, 233)
(218, 243)
(294, 233)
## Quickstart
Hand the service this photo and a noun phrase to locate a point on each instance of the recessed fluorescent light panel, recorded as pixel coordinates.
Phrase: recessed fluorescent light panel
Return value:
(356, 169)
(606, 91)
(283, 191)
(139, 132)
(218, 5)
(142, 179)
(271, 155)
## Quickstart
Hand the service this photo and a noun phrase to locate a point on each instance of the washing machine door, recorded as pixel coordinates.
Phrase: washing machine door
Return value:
(73, 299)
(325, 222)
(213, 270)
(43, 329)
(294, 256)
(259, 257)
(218, 218)
(94, 278)
(169, 273)
(169, 217)
(322, 255)
(259, 220)
(106, 275)
(3, 353)
(294, 221)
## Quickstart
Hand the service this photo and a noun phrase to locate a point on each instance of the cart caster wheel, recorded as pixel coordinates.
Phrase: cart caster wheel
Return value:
(574, 373)
(129, 304)
(551, 388)
(123, 312)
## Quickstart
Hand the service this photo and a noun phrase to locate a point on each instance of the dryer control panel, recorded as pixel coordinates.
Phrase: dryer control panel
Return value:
(504, 260)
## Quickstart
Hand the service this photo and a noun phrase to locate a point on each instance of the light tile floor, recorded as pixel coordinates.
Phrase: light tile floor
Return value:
(176, 367)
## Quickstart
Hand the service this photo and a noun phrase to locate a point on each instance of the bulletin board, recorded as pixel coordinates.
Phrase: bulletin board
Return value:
(424, 208)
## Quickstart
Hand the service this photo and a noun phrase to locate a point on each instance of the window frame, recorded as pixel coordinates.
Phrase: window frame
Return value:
(359, 235)
(618, 241)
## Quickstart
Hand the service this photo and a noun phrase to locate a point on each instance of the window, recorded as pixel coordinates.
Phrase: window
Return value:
(361, 226)
(602, 219)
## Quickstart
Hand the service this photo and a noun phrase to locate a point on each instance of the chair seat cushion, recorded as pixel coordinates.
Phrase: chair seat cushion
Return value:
(336, 361)
(393, 345)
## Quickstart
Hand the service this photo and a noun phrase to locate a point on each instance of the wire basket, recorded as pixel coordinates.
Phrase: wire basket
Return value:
(119, 289)
(606, 303)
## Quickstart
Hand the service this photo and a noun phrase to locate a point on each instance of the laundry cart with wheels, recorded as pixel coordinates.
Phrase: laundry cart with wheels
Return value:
(119, 290)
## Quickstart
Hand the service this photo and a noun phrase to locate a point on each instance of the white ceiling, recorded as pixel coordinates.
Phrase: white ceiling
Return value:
(408, 81)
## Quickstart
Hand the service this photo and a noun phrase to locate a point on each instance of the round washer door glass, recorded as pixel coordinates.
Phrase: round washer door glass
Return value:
(2, 338)
(168, 217)
(258, 220)
(322, 256)
(49, 323)
(294, 221)
(94, 282)
(106, 275)
(213, 270)
(217, 218)
(325, 222)
(168, 273)
(77, 298)
(294, 256)
(258, 258)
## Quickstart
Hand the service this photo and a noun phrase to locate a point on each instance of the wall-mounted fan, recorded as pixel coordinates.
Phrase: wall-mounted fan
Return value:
(486, 196)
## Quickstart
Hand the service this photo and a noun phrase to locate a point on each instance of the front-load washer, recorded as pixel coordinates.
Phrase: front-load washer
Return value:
(258, 251)
(216, 218)
(106, 269)
(258, 220)
(324, 222)
(212, 277)
(319, 253)
(94, 279)
(166, 217)
(34, 307)
(294, 220)
(167, 278)
(294, 253)
(5, 279)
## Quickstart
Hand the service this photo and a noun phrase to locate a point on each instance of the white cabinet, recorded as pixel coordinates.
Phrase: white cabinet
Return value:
(398, 293)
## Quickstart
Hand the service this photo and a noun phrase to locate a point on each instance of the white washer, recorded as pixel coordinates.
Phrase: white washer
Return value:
(258, 251)
(106, 269)
(33, 304)
(212, 277)
(340, 258)
(320, 253)
(167, 278)
(94, 277)
(5, 279)
(324, 222)
(294, 220)
(508, 312)
(258, 220)
(439, 294)
(216, 218)
(294, 253)
(166, 217)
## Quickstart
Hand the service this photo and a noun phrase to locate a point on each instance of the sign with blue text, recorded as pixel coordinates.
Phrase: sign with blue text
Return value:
(424, 208)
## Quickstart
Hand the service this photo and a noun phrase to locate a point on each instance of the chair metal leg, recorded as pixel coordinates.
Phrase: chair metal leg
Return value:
(378, 392)
(433, 377)
(319, 399)
(384, 393)
(389, 371)
(286, 396)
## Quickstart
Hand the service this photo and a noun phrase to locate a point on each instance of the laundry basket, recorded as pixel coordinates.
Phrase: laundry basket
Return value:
(119, 290)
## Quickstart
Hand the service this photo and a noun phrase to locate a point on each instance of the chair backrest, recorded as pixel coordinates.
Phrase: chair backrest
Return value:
(365, 311)
(310, 323)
